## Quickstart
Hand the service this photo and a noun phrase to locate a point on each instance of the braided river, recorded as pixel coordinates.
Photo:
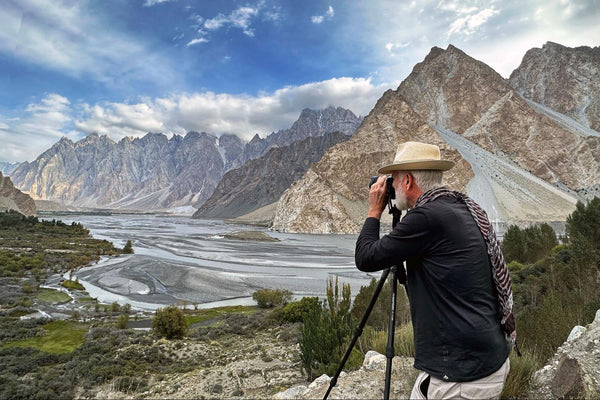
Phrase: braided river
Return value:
(179, 260)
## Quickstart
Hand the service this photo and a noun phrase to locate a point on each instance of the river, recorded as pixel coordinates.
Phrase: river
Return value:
(179, 260)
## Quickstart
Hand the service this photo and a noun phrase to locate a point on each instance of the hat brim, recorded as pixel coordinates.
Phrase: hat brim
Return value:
(438, 165)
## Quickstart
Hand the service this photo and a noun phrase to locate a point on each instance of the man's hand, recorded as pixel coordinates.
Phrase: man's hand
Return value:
(377, 198)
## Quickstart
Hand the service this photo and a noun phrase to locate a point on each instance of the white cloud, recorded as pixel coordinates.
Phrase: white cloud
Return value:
(64, 37)
(240, 18)
(391, 46)
(196, 41)
(222, 113)
(318, 19)
(39, 127)
(150, 3)
(472, 20)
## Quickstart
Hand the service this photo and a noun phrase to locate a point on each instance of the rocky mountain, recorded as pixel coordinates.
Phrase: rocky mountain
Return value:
(143, 173)
(521, 160)
(7, 167)
(12, 198)
(155, 172)
(566, 80)
(332, 195)
(311, 123)
(261, 181)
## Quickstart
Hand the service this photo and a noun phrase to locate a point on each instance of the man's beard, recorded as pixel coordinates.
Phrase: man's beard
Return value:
(401, 200)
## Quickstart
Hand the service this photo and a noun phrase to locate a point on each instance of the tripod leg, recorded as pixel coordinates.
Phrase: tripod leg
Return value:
(389, 351)
(358, 331)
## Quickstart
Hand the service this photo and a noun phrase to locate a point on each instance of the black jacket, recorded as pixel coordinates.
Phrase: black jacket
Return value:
(453, 300)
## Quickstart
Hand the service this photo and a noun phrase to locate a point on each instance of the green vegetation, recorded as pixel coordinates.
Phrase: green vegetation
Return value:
(61, 337)
(268, 298)
(128, 248)
(33, 247)
(69, 284)
(170, 323)
(53, 296)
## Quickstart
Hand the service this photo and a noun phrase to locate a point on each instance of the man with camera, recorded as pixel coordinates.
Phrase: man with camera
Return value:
(457, 282)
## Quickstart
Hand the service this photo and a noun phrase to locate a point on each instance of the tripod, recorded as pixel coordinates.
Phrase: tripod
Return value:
(398, 274)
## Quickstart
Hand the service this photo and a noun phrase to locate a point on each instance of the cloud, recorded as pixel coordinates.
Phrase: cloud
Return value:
(391, 46)
(222, 113)
(196, 41)
(150, 3)
(240, 18)
(39, 127)
(473, 19)
(329, 14)
(63, 36)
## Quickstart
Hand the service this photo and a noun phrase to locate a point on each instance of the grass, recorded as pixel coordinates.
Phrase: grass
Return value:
(193, 317)
(72, 285)
(61, 337)
(53, 296)
(520, 376)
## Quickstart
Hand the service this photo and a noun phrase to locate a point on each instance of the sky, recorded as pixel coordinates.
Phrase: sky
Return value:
(70, 68)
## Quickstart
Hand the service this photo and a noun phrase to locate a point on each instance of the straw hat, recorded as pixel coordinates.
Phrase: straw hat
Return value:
(415, 155)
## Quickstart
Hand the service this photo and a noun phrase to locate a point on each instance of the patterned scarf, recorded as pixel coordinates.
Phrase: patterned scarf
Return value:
(499, 270)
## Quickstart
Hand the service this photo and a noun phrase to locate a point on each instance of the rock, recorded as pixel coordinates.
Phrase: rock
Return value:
(366, 383)
(12, 198)
(575, 333)
(261, 182)
(568, 380)
(250, 235)
(574, 371)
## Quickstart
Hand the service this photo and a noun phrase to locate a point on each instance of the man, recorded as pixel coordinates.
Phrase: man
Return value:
(457, 282)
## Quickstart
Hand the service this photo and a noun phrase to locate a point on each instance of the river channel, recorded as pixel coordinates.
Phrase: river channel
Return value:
(182, 260)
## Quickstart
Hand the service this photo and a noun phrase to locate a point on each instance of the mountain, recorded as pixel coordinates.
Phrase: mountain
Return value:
(523, 161)
(155, 172)
(12, 198)
(310, 123)
(566, 80)
(261, 181)
(151, 172)
(7, 167)
(332, 196)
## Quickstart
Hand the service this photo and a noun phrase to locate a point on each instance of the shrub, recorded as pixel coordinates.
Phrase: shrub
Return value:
(122, 321)
(268, 298)
(325, 333)
(170, 323)
(297, 310)
(128, 248)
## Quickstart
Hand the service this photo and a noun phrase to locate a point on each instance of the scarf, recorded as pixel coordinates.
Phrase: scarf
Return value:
(499, 271)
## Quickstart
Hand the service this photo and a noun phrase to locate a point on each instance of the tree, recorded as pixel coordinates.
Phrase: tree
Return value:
(128, 248)
(169, 322)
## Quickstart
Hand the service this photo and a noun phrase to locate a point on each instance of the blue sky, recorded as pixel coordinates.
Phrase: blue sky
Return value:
(128, 67)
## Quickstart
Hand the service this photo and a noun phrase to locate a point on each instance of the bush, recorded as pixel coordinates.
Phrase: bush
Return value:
(128, 248)
(170, 323)
(122, 321)
(326, 331)
(268, 298)
(296, 311)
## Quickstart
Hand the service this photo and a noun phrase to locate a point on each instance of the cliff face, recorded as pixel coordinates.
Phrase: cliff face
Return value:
(331, 197)
(310, 123)
(145, 173)
(262, 181)
(155, 172)
(12, 198)
(523, 161)
(566, 80)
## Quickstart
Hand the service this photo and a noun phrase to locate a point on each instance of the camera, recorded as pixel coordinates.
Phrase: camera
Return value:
(390, 192)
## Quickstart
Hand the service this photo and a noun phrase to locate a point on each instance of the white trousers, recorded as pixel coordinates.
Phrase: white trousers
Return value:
(488, 387)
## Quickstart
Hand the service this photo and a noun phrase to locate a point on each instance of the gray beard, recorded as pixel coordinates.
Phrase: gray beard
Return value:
(401, 201)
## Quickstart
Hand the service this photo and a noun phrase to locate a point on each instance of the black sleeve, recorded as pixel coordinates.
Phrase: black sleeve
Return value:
(409, 238)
